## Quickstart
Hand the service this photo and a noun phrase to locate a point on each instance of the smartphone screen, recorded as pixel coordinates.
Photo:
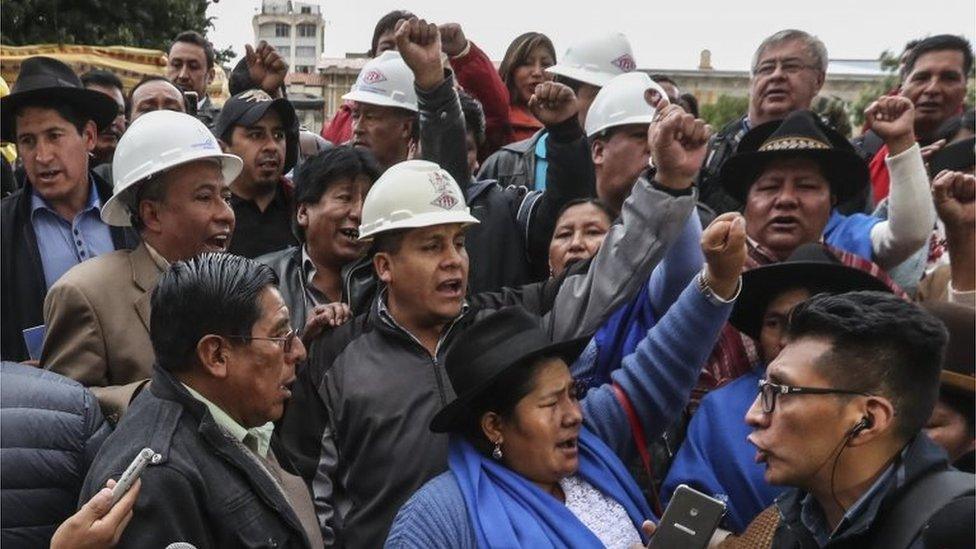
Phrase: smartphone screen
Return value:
(689, 521)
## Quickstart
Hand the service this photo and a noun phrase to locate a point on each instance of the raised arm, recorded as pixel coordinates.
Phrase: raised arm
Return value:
(955, 200)
(658, 377)
(911, 215)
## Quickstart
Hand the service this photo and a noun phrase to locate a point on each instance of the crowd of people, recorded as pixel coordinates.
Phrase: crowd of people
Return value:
(512, 307)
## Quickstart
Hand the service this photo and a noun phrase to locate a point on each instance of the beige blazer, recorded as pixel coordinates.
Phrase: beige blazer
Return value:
(97, 318)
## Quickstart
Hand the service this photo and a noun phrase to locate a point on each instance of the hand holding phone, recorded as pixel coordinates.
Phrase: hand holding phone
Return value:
(132, 473)
(689, 521)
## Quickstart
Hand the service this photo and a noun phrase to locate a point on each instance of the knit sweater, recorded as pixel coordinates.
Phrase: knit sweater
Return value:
(657, 377)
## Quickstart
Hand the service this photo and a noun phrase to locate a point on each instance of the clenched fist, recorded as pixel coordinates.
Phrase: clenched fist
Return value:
(954, 194)
(453, 41)
(893, 118)
(724, 244)
(677, 141)
(553, 103)
(419, 43)
(265, 67)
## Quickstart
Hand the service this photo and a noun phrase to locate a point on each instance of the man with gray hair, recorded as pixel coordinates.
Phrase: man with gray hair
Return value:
(788, 70)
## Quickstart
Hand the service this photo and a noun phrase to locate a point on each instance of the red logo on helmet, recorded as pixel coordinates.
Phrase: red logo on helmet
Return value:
(373, 77)
(625, 63)
(446, 201)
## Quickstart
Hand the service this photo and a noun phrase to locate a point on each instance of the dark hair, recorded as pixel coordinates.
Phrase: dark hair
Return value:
(517, 54)
(940, 42)
(600, 205)
(660, 78)
(145, 80)
(105, 79)
(197, 39)
(69, 111)
(474, 116)
(880, 344)
(314, 176)
(501, 397)
(213, 293)
(690, 103)
(386, 24)
(963, 405)
(388, 242)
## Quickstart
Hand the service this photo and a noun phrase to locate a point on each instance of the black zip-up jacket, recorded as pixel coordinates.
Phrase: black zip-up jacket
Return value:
(357, 424)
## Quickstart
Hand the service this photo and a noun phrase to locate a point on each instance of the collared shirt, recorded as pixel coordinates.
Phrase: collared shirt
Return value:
(814, 520)
(62, 244)
(257, 233)
(541, 162)
(313, 296)
(257, 439)
(384, 313)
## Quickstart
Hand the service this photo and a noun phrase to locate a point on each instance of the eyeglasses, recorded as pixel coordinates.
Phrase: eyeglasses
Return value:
(790, 66)
(284, 341)
(768, 391)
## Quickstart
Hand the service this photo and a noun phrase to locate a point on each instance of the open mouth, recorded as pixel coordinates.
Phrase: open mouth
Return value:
(350, 233)
(784, 222)
(48, 175)
(269, 164)
(451, 287)
(219, 241)
(928, 106)
(569, 445)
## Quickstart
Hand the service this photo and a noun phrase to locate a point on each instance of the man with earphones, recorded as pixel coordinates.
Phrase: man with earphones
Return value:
(839, 417)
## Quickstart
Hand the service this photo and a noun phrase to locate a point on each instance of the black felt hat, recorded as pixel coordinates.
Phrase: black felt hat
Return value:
(809, 266)
(247, 107)
(959, 364)
(508, 338)
(47, 79)
(800, 134)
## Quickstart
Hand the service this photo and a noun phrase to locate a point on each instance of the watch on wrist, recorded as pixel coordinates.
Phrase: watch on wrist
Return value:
(710, 295)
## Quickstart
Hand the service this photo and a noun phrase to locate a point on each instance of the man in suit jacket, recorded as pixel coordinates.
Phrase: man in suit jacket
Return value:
(52, 222)
(97, 315)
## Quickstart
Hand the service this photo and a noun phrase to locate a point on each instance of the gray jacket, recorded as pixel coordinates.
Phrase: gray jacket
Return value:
(514, 164)
(357, 424)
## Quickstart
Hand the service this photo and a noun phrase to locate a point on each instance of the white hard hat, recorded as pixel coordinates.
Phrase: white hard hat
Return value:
(411, 194)
(154, 143)
(597, 60)
(622, 102)
(386, 81)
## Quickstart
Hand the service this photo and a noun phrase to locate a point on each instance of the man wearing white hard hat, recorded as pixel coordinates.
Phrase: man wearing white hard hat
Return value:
(172, 185)
(369, 389)
(587, 66)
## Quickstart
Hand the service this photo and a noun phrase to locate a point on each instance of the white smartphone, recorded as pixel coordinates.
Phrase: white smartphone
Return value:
(131, 473)
(689, 521)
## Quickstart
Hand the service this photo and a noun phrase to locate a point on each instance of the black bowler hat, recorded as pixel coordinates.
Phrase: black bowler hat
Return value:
(44, 78)
(810, 266)
(800, 134)
(507, 338)
(959, 364)
(247, 107)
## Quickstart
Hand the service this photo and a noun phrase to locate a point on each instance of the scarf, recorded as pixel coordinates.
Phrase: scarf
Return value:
(508, 510)
(620, 334)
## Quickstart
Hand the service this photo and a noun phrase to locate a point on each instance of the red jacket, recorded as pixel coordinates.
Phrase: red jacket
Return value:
(476, 74)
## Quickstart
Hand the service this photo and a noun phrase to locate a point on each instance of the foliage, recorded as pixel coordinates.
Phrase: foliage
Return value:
(889, 63)
(725, 110)
(139, 23)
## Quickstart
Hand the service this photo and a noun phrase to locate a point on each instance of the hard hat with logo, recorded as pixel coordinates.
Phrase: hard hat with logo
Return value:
(597, 60)
(385, 81)
(622, 102)
(412, 194)
(154, 143)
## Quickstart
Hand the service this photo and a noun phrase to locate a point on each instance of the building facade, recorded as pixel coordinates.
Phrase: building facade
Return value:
(295, 29)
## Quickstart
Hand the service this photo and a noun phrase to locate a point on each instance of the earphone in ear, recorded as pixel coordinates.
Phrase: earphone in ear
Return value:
(866, 422)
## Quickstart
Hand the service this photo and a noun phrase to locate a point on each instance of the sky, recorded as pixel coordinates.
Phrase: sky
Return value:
(669, 37)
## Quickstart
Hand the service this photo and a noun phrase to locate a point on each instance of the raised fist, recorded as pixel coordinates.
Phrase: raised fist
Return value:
(419, 43)
(553, 103)
(453, 41)
(265, 67)
(724, 244)
(892, 117)
(954, 194)
(677, 141)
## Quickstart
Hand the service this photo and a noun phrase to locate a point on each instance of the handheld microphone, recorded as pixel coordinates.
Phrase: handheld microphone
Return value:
(181, 545)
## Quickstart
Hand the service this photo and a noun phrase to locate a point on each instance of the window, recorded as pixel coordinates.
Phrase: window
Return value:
(282, 30)
(267, 30)
(305, 69)
(306, 30)
(306, 9)
(284, 51)
(305, 51)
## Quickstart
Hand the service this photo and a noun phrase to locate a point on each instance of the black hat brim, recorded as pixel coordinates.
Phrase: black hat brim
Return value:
(289, 120)
(763, 284)
(99, 107)
(451, 417)
(846, 172)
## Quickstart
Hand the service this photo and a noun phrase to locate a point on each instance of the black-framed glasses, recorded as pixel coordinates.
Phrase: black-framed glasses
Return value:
(768, 391)
(286, 341)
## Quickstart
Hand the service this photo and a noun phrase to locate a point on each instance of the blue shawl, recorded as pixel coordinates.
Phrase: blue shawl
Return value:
(620, 334)
(507, 510)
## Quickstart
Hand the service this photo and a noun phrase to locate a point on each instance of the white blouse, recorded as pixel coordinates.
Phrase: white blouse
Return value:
(603, 515)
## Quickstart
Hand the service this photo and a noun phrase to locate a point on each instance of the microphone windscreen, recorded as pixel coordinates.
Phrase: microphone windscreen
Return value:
(181, 545)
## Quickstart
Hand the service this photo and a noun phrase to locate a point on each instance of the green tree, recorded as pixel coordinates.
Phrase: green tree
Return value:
(725, 110)
(889, 63)
(140, 23)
